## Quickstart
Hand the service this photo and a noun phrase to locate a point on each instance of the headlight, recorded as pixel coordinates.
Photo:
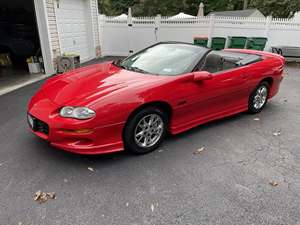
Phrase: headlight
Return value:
(80, 113)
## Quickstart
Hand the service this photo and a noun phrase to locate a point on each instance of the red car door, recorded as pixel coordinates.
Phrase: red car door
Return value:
(200, 101)
(230, 89)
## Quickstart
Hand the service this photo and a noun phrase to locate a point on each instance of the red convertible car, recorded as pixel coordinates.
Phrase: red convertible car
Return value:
(133, 103)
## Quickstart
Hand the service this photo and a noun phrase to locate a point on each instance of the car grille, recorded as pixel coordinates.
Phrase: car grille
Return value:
(40, 126)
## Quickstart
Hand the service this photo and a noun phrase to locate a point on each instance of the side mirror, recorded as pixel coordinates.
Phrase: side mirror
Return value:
(202, 75)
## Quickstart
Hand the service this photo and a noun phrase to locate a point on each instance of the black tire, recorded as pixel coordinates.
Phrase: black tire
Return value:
(130, 143)
(251, 103)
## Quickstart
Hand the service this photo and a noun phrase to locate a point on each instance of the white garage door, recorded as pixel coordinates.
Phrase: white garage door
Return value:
(74, 27)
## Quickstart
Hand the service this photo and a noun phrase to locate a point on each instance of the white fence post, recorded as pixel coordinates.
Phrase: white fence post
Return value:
(210, 29)
(156, 27)
(268, 25)
(101, 22)
(267, 31)
(130, 33)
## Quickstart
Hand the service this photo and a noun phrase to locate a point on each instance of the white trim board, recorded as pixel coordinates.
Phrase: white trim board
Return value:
(44, 35)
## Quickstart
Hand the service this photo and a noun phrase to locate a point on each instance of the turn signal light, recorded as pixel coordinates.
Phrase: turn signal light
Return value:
(80, 131)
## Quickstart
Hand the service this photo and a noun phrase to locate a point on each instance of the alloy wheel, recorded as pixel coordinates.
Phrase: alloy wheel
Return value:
(260, 97)
(149, 130)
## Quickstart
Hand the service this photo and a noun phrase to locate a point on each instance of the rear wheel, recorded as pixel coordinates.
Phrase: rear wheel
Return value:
(259, 97)
(145, 131)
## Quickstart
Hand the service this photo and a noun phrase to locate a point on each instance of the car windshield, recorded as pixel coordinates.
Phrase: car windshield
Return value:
(165, 59)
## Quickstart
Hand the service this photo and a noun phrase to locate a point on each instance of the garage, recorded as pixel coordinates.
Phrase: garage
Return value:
(34, 33)
(74, 27)
(20, 49)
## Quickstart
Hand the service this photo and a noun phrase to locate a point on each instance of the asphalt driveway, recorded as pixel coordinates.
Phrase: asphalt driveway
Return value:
(248, 172)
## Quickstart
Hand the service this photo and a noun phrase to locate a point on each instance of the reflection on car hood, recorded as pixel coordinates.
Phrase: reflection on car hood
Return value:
(84, 85)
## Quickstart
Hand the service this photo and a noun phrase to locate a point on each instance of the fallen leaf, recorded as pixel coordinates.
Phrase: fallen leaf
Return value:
(273, 183)
(256, 119)
(91, 169)
(277, 133)
(37, 195)
(152, 207)
(198, 151)
(42, 197)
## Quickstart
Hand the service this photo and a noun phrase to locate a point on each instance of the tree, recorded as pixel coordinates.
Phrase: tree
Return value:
(115, 7)
(171, 7)
(104, 6)
(276, 8)
(154, 7)
(282, 9)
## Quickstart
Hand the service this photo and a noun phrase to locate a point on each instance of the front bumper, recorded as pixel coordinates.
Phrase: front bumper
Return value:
(78, 136)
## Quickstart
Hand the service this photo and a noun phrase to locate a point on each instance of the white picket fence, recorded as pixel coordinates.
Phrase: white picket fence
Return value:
(123, 37)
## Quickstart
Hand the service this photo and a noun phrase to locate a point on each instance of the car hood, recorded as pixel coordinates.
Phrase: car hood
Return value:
(85, 85)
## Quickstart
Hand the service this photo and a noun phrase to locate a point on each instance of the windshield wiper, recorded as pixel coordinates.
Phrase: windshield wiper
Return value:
(123, 67)
(136, 69)
(117, 63)
(132, 68)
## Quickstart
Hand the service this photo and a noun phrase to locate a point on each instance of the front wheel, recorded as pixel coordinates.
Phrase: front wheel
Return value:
(145, 130)
(259, 97)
